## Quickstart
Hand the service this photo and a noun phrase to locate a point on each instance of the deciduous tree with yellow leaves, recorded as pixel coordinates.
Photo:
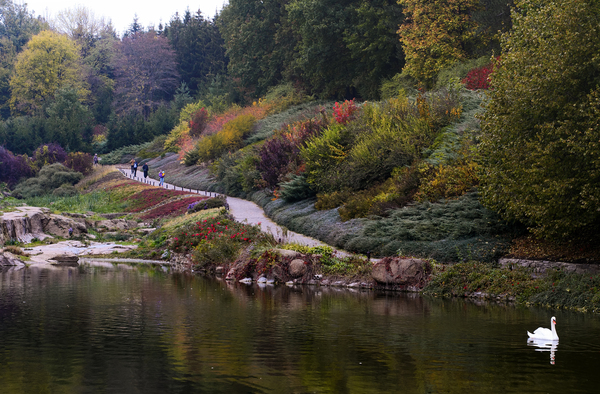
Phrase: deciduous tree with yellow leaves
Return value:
(50, 61)
(434, 35)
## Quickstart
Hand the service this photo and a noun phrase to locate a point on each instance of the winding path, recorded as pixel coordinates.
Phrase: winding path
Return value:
(242, 211)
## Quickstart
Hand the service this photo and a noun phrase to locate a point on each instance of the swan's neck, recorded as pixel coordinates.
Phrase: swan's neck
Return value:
(554, 334)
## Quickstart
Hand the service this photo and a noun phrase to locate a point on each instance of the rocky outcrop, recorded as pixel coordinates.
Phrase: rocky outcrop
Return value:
(9, 259)
(60, 225)
(404, 273)
(24, 224)
(115, 225)
(285, 265)
(27, 223)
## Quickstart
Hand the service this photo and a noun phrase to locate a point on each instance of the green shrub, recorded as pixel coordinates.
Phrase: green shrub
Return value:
(324, 155)
(172, 141)
(296, 189)
(388, 135)
(49, 178)
(65, 190)
(237, 173)
(540, 147)
(191, 158)
(154, 149)
(398, 86)
(331, 200)
(282, 97)
(447, 181)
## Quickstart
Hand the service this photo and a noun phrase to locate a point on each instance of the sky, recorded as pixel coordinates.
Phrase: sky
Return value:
(122, 12)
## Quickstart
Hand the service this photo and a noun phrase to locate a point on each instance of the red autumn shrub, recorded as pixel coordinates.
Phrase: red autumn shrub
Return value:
(479, 77)
(198, 122)
(281, 154)
(345, 112)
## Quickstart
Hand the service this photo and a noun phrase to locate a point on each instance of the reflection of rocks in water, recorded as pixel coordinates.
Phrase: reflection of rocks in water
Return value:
(301, 297)
(399, 304)
(69, 260)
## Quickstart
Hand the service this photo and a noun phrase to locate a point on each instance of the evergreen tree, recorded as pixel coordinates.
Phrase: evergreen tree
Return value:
(199, 48)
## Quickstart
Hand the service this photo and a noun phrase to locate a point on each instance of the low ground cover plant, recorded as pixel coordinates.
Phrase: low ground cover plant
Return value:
(151, 197)
(172, 208)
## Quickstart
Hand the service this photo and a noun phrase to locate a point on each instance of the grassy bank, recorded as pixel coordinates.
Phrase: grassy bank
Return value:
(557, 290)
(207, 237)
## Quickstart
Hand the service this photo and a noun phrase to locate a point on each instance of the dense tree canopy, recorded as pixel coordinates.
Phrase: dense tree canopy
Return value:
(49, 62)
(199, 48)
(541, 150)
(259, 43)
(373, 44)
(330, 48)
(146, 73)
(435, 34)
(17, 26)
(323, 59)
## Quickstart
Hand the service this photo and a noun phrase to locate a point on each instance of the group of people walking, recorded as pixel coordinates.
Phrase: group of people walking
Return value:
(134, 166)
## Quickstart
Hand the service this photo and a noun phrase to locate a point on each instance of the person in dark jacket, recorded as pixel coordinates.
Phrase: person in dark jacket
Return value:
(145, 169)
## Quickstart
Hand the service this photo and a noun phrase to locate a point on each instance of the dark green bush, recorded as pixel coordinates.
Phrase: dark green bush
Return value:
(65, 190)
(296, 189)
(49, 178)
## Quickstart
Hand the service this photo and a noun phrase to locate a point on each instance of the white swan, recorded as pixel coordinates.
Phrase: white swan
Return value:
(545, 333)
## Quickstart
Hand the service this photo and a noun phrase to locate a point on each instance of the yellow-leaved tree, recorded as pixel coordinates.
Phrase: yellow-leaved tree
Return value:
(435, 35)
(50, 61)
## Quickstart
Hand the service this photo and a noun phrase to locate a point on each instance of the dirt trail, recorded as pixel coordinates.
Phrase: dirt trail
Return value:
(242, 210)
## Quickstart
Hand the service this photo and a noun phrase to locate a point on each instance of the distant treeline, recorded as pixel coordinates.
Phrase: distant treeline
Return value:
(74, 82)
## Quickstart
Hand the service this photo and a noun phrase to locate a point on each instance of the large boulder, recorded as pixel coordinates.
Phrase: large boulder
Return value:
(404, 272)
(298, 268)
(116, 224)
(59, 225)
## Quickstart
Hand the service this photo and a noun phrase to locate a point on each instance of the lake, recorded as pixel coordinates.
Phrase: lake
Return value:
(140, 329)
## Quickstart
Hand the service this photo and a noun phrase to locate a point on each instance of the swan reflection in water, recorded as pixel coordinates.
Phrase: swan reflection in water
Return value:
(545, 345)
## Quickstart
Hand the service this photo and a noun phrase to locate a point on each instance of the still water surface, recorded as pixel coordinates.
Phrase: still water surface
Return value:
(124, 329)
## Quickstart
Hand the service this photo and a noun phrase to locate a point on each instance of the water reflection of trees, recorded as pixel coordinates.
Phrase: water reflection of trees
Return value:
(125, 330)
